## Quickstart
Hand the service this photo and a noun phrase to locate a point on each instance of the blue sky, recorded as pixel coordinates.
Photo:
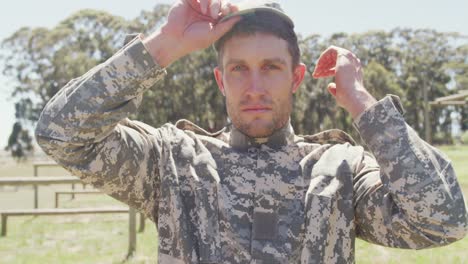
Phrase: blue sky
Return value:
(310, 16)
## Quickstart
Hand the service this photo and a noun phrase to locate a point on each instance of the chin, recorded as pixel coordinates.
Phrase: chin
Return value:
(258, 129)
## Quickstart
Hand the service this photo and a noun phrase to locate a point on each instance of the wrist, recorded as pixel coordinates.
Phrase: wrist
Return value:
(163, 49)
(360, 103)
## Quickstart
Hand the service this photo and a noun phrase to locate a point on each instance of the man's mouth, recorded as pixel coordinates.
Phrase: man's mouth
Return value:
(256, 109)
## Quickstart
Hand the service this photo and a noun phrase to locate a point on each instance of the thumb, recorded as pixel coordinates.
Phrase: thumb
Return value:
(222, 28)
(332, 89)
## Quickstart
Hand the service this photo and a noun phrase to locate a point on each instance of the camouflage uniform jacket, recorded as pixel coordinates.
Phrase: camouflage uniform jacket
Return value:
(227, 198)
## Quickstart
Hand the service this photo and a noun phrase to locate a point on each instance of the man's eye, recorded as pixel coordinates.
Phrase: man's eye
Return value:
(270, 67)
(238, 68)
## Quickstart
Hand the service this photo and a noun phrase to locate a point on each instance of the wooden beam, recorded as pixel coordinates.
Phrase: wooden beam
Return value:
(459, 96)
(64, 211)
(58, 193)
(17, 181)
(445, 103)
(45, 164)
(79, 192)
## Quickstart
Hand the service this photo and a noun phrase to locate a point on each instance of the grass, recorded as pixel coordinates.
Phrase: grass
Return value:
(77, 239)
(85, 239)
(104, 238)
(459, 157)
(61, 239)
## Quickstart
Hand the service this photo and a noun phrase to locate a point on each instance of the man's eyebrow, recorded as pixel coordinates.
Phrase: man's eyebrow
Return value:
(234, 61)
(269, 60)
(276, 60)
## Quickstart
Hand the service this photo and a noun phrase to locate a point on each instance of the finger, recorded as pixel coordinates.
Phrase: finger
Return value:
(326, 64)
(215, 7)
(196, 8)
(332, 89)
(204, 6)
(195, 5)
(232, 7)
(222, 28)
(225, 9)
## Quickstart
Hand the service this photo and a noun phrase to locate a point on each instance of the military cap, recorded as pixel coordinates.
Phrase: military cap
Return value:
(252, 8)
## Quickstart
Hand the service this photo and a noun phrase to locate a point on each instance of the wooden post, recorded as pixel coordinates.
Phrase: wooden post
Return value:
(4, 225)
(131, 233)
(73, 188)
(142, 223)
(36, 195)
(427, 124)
(56, 200)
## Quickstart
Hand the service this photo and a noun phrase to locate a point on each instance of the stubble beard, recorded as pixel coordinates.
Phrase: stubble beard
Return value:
(260, 127)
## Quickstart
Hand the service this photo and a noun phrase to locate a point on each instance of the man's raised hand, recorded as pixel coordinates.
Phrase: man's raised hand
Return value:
(348, 88)
(191, 25)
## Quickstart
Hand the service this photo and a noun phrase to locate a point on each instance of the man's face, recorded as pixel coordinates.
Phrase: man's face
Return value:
(258, 80)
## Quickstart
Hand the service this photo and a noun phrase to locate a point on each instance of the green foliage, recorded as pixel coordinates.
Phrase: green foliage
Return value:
(441, 138)
(189, 91)
(401, 62)
(40, 61)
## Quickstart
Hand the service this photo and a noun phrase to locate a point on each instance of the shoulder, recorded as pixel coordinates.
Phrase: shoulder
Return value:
(195, 130)
(187, 125)
(332, 136)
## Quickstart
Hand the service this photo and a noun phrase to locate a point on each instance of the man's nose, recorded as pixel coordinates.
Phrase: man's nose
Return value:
(256, 84)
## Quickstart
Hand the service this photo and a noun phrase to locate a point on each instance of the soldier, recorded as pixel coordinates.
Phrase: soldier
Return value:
(258, 193)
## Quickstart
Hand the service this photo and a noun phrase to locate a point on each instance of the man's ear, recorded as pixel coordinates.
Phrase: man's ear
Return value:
(218, 73)
(298, 76)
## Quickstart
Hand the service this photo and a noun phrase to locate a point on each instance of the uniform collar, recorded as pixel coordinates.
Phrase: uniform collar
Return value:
(278, 139)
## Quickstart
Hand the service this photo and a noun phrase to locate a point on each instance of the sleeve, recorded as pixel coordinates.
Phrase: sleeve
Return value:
(408, 195)
(85, 128)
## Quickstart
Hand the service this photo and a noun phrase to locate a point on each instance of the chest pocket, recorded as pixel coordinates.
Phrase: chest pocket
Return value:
(278, 224)
(327, 221)
(207, 215)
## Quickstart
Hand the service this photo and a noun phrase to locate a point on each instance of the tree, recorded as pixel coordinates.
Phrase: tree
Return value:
(458, 69)
(40, 61)
(423, 56)
(400, 62)
(189, 91)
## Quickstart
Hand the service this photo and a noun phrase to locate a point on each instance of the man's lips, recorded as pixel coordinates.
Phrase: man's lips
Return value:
(256, 109)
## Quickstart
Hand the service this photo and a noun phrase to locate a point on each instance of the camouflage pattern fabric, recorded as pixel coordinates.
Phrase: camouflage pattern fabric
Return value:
(228, 198)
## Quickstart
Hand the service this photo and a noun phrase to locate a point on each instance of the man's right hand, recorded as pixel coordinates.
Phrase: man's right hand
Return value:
(191, 25)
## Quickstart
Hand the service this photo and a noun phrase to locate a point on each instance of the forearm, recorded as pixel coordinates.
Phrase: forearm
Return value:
(89, 107)
(86, 130)
(419, 193)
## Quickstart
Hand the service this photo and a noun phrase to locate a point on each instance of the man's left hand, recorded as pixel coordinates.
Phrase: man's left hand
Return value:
(348, 88)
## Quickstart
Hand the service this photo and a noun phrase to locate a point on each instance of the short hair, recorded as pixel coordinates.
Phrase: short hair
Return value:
(262, 21)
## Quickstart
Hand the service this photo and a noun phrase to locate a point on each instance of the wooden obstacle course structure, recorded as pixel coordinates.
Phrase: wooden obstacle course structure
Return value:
(73, 192)
(56, 211)
(36, 181)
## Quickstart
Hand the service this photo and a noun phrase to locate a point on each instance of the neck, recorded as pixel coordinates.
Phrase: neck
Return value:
(278, 139)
